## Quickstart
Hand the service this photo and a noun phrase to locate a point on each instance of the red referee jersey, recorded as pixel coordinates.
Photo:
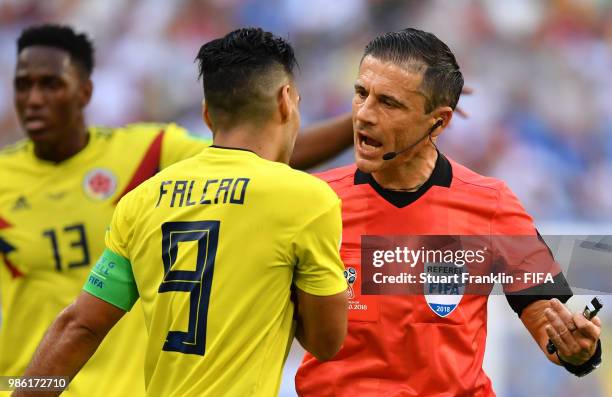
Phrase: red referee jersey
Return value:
(396, 345)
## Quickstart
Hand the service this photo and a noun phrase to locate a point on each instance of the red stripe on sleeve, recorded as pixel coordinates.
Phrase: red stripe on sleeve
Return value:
(4, 224)
(15, 272)
(11, 267)
(148, 166)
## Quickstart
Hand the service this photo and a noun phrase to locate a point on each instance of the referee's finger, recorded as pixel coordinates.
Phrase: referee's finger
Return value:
(597, 321)
(556, 340)
(563, 312)
(561, 330)
(587, 327)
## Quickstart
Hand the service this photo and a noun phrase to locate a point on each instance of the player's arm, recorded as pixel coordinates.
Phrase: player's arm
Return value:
(575, 337)
(320, 286)
(322, 141)
(314, 145)
(75, 335)
(72, 339)
(110, 291)
(321, 323)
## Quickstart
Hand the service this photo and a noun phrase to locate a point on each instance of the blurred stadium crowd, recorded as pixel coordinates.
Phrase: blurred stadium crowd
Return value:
(540, 70)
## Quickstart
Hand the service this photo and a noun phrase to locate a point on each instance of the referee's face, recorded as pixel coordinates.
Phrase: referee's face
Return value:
(388, 113)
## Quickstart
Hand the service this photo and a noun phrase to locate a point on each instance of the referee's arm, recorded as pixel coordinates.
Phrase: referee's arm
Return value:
(575, 337)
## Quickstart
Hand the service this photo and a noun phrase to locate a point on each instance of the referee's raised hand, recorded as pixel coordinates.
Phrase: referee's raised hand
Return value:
(574, 335)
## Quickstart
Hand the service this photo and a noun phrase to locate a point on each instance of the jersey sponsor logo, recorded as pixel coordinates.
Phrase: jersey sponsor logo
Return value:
(57, 195)
(100, 184)
(442, 289)
(21, 204)
(350, 274)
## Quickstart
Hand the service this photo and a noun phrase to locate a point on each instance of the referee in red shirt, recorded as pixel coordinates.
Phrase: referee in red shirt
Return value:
(405, 94)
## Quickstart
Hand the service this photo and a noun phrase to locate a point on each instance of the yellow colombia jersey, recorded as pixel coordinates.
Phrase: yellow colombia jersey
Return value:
(52, 222)
(212, 246)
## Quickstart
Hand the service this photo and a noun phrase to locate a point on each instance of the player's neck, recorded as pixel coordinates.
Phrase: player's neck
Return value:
(410, 175)
(250, 138)
(64, 149)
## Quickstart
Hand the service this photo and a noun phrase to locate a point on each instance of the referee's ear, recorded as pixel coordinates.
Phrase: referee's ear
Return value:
(206, 115)
(444, 113)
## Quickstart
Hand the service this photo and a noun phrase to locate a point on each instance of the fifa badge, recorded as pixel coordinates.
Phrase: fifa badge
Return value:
(350, 274)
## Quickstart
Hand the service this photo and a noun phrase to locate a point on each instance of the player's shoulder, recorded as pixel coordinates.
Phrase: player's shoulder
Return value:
(14, 151)
(15, 159)
(134, 131)
(143, 198)
(148, 128)
(137, 198)
(298, 183)
(178, 170)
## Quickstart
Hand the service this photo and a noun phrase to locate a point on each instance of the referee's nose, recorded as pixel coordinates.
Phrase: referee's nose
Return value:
(365, 112)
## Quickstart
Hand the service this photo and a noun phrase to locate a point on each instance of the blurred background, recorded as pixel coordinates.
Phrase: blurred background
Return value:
(538, 118)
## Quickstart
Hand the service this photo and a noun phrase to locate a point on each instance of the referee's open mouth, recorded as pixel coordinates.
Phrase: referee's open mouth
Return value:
(365, 140)
(368, 148)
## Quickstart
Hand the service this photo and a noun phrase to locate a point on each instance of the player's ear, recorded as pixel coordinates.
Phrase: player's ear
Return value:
(444, 113)
(86, 91)
(285, 106)
(206, 115)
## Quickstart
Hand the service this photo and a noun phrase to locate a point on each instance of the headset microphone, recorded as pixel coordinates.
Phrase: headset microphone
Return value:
(391, 155)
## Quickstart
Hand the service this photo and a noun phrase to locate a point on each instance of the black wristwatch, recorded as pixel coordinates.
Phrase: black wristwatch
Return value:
(587, 367)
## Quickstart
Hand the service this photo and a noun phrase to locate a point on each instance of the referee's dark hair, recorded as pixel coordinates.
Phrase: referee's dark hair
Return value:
(239, 72)
(416, 49)
(77, 45)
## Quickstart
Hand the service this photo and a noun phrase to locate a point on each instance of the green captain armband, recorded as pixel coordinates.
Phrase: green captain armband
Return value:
(112, 281)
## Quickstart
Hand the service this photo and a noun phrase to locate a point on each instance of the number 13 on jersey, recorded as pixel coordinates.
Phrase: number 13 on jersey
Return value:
(197, 283)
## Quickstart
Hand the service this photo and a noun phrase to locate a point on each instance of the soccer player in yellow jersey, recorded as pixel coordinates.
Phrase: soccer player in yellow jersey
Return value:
(213, 245)
(58, 190)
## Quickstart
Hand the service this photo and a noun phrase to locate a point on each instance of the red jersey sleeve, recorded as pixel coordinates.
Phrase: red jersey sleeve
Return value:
(520, 252)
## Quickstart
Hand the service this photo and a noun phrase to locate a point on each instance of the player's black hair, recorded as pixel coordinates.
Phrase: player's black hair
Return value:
(239, 69)
(77, 45)
(442, 79)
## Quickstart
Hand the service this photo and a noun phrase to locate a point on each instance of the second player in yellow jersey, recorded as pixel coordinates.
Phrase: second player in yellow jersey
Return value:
(52, 222)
